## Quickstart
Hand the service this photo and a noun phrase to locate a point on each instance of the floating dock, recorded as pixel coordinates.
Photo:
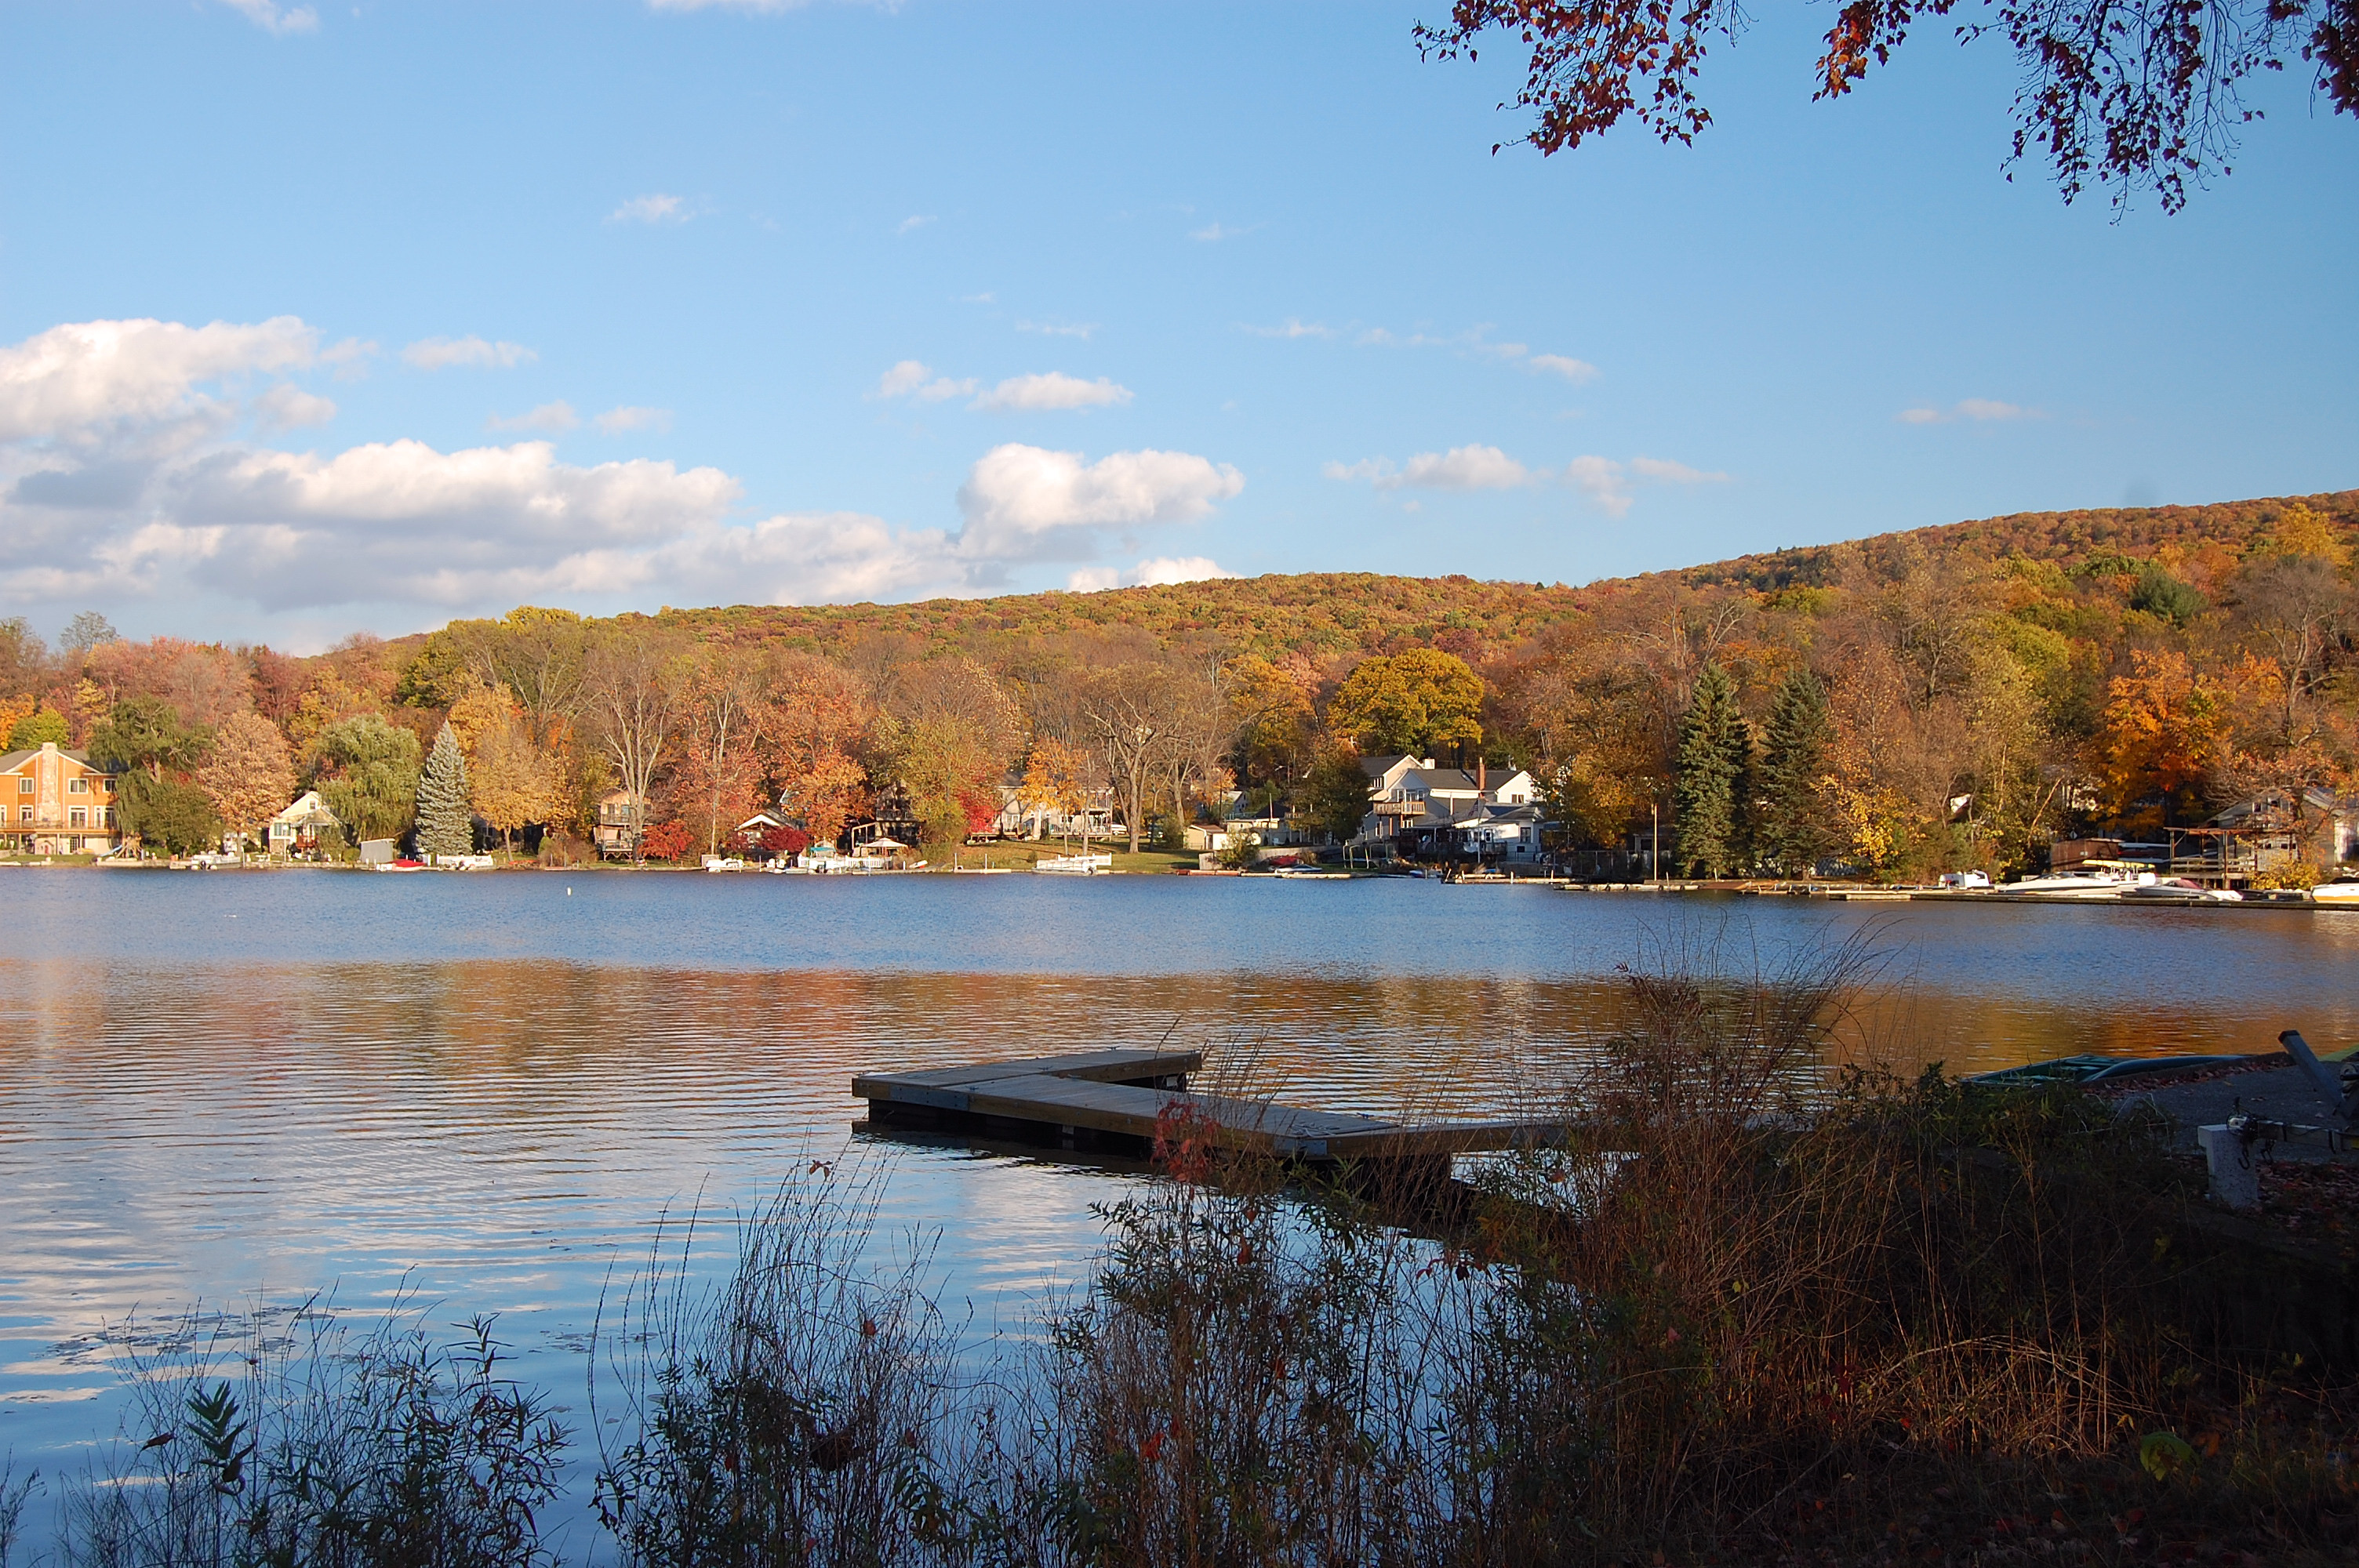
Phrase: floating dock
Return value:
(1116, 1101)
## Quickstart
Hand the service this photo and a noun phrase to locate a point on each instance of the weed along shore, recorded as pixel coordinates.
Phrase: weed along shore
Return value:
(1740, 1305)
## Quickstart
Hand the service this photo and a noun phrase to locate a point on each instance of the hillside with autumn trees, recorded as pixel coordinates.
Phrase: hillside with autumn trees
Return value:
(1945, 698)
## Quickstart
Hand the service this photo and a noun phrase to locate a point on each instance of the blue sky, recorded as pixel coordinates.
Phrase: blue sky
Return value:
(369, 316)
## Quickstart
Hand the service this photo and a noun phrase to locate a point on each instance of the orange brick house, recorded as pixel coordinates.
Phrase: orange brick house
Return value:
(57, 803)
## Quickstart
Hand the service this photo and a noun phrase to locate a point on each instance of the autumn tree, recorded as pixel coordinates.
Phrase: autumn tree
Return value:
(719, 782)
(2166, 733)
(631, 688)
(1714, 762)
(1421, 703)
(514, 783)
(2135, 96)
(948, 736)
(155, 801)
(817, 720)
(445, 805)
(1793, 833)
(1336, 794)
(249, 777)
(366, 771)
(1128, 711)
(44, 726)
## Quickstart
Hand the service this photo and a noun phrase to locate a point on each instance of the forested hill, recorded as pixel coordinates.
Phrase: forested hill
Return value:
(1324, 613)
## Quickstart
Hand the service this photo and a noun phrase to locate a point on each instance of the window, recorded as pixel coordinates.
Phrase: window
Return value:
(78, 817)
(25, 784)
(106, 818)
(24, 814)
(77, 787)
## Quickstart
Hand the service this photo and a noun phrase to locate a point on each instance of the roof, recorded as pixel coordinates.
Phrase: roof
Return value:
(308, 810)
(15, 759)
(1377, 767)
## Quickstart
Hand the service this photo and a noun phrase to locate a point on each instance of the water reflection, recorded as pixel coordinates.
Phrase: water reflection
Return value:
(487, 1093)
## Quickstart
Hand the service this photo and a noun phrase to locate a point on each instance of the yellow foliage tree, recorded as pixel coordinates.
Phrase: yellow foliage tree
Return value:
(2166, 733)
(249, 775)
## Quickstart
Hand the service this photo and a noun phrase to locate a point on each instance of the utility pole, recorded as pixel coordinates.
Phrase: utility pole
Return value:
(1655, 845)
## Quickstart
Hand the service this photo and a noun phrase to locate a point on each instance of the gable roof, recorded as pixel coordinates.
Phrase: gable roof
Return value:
(15, 759)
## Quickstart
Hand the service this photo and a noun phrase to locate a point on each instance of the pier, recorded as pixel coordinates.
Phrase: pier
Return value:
(1117, 1101)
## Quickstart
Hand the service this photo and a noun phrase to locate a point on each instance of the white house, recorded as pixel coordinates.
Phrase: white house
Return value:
(298, 830)
(1412, 800)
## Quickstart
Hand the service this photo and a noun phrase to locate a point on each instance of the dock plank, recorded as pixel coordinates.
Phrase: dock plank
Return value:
(1102, 1092)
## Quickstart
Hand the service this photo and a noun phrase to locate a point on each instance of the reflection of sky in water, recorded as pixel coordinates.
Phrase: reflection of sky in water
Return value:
(483, 1091)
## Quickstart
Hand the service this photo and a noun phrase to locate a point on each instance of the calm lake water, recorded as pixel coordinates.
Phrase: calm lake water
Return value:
(486, 1091)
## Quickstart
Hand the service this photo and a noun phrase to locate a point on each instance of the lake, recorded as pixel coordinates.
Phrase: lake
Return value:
(485, 1092)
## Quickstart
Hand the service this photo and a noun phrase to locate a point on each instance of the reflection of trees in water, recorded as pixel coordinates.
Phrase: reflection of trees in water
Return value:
(512, 1040)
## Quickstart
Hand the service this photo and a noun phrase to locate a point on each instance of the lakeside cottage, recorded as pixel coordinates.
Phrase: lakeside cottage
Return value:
(621, 820)
(57, 803)
(1418, 809)
(304, 828)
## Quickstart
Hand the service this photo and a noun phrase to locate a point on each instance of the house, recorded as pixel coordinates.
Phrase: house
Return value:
(301, 829)
(60, 803)
(1415, 805)
(1493, 832)
(622, 818)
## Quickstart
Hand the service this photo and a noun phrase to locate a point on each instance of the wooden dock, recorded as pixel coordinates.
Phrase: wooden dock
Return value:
(1116, 1101)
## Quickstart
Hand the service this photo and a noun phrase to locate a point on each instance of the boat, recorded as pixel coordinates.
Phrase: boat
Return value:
(2343, 891)
(1310, 874)
(2101, 879)
(2183, 889)
(1075, 865)
(2092, 1069)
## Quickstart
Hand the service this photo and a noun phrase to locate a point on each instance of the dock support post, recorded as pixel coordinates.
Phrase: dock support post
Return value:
(2235, 1174)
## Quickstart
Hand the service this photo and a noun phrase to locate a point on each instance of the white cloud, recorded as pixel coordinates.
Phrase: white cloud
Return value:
(1051, 391)
(653, 208)
(121, 479)
(1162, 572)
(275, 20)
(910, 378)
(1576, 372)
(1601, 479)
(1463, 467)
(549, 417)
(70, 379)
(1213, 234)
(1980, 409)
(1460, 468)
(912, 223)
(289, 407)
(1081, 329)
(1673, 473)
(1024, 503)
(616, 421)
(1293, 327)
(440, 353)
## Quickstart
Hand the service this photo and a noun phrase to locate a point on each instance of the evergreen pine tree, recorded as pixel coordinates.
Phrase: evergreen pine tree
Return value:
(1793, 830)
(445, 819)
(1715, 742)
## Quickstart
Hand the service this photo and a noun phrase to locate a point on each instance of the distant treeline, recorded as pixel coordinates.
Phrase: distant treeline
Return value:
(1909, 703)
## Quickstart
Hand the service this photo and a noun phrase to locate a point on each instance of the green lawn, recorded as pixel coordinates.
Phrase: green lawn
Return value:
(1020, 856)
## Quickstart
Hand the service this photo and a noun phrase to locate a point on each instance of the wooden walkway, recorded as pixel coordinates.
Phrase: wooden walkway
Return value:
(1117, 1100)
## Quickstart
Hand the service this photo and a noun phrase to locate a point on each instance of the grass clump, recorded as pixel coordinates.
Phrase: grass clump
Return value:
(385, 1452)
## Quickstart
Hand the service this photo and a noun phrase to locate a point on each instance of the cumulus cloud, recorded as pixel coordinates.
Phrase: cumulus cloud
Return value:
(1576, 372)
(1460, 468)
(653, 208)
(1024, 502)
(72, 380)
(441, 353)
(1160, 571)
(550, 416)
(910, 378)
(289, 407)
(121, 478)
(1051, 391)
(277, 19)
(1980, 409)
(619, 421)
